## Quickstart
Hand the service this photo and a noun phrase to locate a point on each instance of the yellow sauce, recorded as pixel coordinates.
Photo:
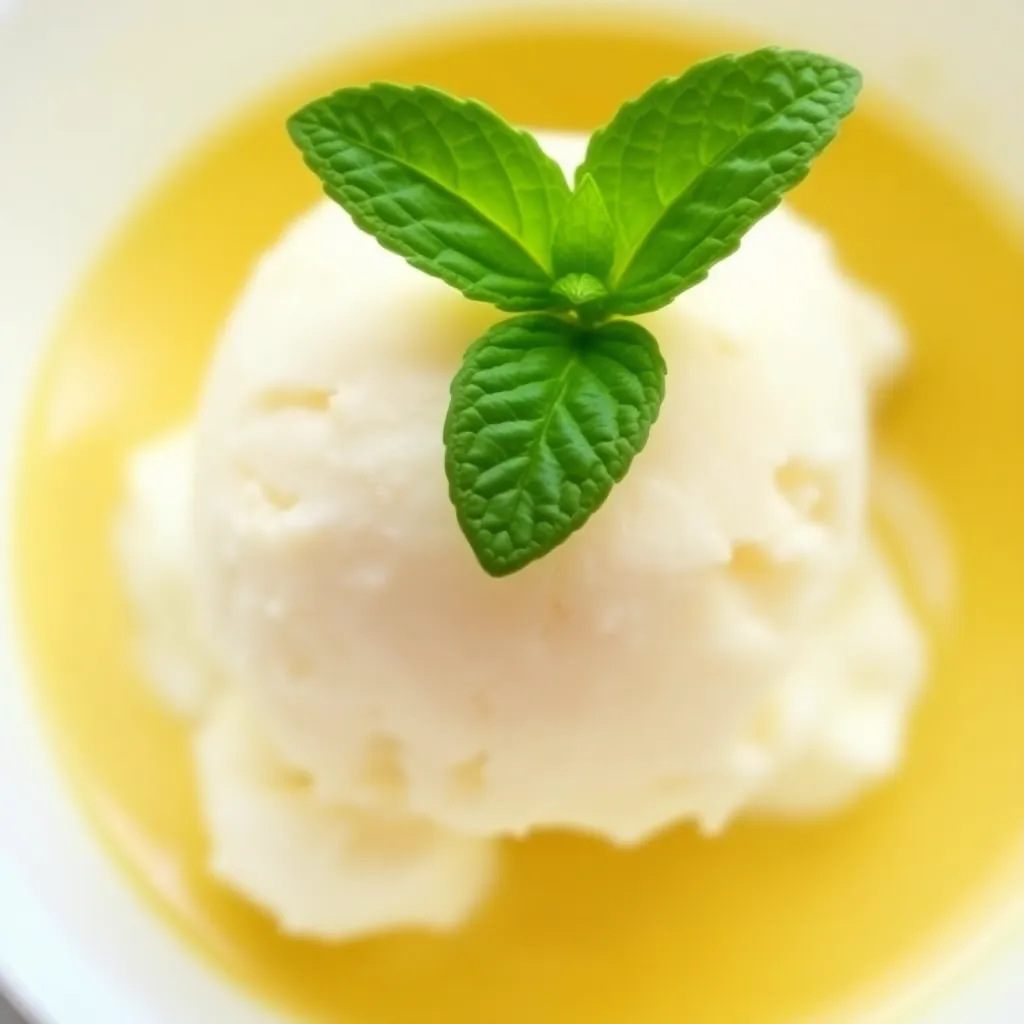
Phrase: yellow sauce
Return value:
(771, 923)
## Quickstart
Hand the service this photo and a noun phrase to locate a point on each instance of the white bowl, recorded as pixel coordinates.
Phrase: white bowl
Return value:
(96, 98)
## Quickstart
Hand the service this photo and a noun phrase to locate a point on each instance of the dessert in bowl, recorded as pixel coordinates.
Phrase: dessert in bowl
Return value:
(721, 644)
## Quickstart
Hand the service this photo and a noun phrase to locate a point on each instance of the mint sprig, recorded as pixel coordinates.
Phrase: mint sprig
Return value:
(550, 408)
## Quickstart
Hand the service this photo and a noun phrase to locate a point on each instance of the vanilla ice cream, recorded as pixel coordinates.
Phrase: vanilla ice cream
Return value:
(373, 711)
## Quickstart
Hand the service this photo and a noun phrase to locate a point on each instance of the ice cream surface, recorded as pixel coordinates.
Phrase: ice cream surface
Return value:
(372, 711)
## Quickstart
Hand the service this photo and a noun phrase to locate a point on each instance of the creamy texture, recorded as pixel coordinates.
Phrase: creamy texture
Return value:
(721, 636)
(325, 870)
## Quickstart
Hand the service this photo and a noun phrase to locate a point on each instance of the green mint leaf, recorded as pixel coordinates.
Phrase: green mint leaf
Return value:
(444, 182)
(550, 408)
(690, 166)
(546, 415)
(580, 289)
(584, 236)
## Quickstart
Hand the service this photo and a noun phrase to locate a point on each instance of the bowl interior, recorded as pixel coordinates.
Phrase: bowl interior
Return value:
(75, 940)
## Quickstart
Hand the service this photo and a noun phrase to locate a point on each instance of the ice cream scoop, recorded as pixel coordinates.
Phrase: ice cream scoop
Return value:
(723, 635)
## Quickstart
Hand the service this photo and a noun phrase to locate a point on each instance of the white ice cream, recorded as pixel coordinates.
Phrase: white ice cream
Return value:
(373, 711)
